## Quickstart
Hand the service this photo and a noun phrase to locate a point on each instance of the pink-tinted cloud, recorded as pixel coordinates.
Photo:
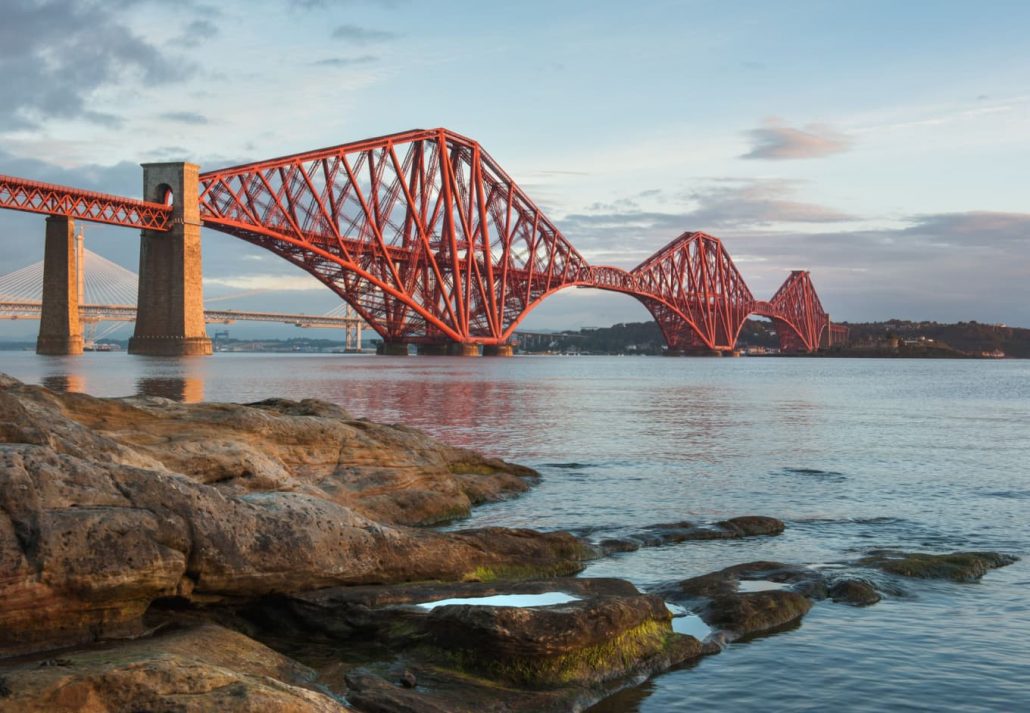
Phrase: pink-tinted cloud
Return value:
(777, 141)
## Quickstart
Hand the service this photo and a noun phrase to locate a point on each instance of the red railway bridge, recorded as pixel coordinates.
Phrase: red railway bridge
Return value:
(428, 239)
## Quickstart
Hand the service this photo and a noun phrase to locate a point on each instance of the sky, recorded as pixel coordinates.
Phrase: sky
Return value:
(885, 146)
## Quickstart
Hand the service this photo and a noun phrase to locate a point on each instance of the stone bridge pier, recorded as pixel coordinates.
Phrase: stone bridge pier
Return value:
(170, 306)
(60, 331)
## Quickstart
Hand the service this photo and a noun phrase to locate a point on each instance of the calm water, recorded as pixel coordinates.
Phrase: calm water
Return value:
(922, 455)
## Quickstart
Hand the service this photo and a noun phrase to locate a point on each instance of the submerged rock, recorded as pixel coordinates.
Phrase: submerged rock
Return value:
(857, 592)
(956, 566)
(724, 601)
(671, 533)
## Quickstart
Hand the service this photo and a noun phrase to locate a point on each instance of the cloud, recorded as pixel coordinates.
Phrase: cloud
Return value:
(974, 228)
(168, 153)
(55, 55)
(946, 266)
(272, 283)
(757, 203)
(625, 224)
(197, 32)
(185, 117)
(942, 266)
(322, 4)
(777, 141)
(362, 35)
(346, 61)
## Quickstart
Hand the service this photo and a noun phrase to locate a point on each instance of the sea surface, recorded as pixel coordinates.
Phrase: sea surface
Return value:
(853, 455)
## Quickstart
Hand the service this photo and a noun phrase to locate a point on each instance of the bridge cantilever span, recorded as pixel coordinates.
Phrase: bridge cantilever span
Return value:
(427, 238)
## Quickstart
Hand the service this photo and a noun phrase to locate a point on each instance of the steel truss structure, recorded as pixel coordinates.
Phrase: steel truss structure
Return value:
(431, 241)
(49, 199)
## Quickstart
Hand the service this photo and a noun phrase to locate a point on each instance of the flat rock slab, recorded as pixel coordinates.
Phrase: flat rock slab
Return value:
(719, 600)
(405, 656)
(956, 566)
(589, 641)
(206, 668)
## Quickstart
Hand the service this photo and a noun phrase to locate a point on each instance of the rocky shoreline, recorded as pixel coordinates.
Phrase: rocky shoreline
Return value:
(276, 557)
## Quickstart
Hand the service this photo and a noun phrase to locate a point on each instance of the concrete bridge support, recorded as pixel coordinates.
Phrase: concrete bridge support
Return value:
(170, 307)
(60, 331)
(388, 348)
(448, 349)
(464, 350)
(498, 350)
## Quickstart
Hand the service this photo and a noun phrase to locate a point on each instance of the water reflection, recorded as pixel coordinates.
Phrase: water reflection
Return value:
(932, 455)
(72, 383)
(188, 389)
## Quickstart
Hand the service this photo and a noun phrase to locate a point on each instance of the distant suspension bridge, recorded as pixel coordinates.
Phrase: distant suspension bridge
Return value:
(107, 294)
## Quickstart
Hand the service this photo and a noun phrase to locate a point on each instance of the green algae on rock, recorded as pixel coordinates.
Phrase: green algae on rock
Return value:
(956, 566)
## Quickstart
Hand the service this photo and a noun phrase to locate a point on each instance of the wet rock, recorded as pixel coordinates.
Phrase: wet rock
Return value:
(542, 658)
(387, 616)
(205, 668)
(956, 566)
(675, 532)
(857, 592)
(717, 597)
(614, 545)
(747, 615)
(584, 642)
(444, 691)
(371, 693)
(752, 526)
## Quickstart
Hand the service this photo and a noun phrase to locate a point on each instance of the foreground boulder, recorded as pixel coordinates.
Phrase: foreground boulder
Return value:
(956, 566)
(200, 669)
(443, 647)
(95, 525)
(391, 474)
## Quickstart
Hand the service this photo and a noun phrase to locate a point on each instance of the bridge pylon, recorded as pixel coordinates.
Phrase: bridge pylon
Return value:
(170, 305)
(60, 331)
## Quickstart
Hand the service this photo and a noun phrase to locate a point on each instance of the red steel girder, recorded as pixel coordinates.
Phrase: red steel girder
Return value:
(803, 324)
(422, 232)
(36, 197)
(429, 239)
(692, 282)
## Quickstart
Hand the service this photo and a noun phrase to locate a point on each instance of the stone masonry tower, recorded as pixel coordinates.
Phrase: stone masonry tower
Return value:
(60, 331)
(170, 306)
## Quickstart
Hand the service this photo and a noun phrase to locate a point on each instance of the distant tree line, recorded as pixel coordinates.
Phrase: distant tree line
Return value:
(646, 338)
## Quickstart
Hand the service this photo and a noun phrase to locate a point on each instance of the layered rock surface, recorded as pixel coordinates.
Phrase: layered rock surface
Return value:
(195, 670)
(107, 505)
